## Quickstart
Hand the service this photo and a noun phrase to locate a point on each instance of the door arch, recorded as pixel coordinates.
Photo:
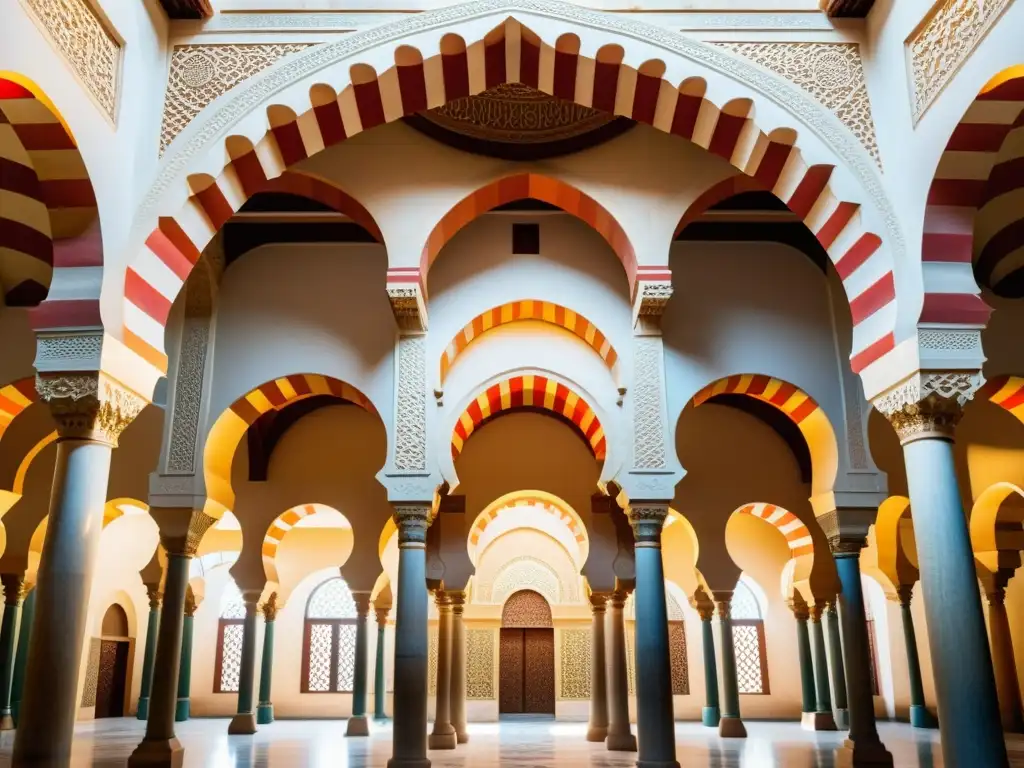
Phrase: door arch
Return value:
(112, 677)
(526, 667)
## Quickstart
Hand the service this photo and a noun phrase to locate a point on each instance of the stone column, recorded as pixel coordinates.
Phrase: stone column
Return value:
(863, 747)
(835, 653)
(443, 735)
(181, 532)
(597, 729)
(357, 723)
(91, 411)
(924, 414)
(920, 717)
(1007, 686)
(28, 611)
(731, 724)
(14, 593)
(711, 714)
(823, 719)
(656, 735)
(152, 628)
(620, 736)
(458, 693)
(265, 708)
(183, 704)
(803, 644)
(409, 732)
(244, 722)
(380, 680)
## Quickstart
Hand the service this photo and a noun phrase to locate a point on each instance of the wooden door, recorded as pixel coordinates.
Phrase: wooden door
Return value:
(539, 666)
(111, 678)
(511, 672)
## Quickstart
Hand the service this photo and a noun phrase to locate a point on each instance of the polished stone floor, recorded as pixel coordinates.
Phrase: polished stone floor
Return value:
(524, 743)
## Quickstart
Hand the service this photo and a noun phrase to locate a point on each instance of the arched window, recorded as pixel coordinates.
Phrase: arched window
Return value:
(229, 640)
(329, 640)
(748, 640)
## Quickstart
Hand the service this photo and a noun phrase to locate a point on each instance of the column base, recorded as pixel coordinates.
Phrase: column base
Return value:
(357, 726)
(409, 762)
(6, 722)
(264, 714)
(597, 733)
(181, 711)
(818, 721)
(158, 754)
(842, 717)
(621, 742)
(461, 736)
(242, 724)
(657, 764)
(142, 713)
(442, 739)
(853, 754)
(731, 728)
(920, 717)
(710, 716)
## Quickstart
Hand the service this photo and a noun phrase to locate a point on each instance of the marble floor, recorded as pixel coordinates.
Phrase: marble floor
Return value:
(524, 743)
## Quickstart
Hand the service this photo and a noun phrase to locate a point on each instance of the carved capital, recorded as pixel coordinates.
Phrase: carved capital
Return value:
(847, 530)
(617, 599)
(156, 596)
(191, 606)
(185, 535)
(14, 588)
(904, 593)
(799, 608)
(89, 405)
(652, 296)
(407, 305)
(705, 609)
(442, 601)
(647, 522)
(817, 610)
(929, 404)
(598, 601)
(995, 596)
(270, 607)
(382, 612)
(458, 601)
(413, 522)
(363, 603)
(723, 605)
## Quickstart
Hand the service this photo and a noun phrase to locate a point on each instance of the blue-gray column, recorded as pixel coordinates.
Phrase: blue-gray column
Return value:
(920, 717)
(823, 719)
(620, 735)
(597, 727)
(379, 674)
(152, 628)
(244, 721)
(28, 611)
(838, 670)
(655, 719)
(711, 714)
(14, 592)
(357, 724)
(803, 645)
(1004, 662)
(47, 718)
(965, 684)
(730, 725)
(409, 730)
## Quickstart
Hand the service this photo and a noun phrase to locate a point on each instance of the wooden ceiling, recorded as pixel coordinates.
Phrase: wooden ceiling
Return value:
(188, 9)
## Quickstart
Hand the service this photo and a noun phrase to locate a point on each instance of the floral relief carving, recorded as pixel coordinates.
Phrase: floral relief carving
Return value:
(83, 39)
(188, 393)
(411, 419)
(950, 33)
(89, 405)
(480, 664)
(526, 572)
(831, 72)
(432, 659)
(92, 673)
(574, 657)
(648, 429)
(201, 73)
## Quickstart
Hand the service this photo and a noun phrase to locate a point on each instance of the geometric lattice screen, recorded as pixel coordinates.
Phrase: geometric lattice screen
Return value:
(330, 639)
(748, 641)
(677, 658)
(231, 632)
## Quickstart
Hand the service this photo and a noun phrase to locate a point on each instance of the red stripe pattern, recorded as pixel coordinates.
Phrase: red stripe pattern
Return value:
(512, 53)
(1006, 392)
(570, 521)
(798, 535)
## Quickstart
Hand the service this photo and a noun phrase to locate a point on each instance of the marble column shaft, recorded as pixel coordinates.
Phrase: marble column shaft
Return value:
(244, 721)
(183, 706)
(357, 724)
(443, 736)
(597, 729)
(149, 656)
(731, 723)
(838, 669)
(803, 642)
(28, 610)
(620, 736)
(919, 715)
(711, 714)
(1004, 663)
(265, 707)
(380, 673)
(458, 688)
(14, 593)
(822, 696)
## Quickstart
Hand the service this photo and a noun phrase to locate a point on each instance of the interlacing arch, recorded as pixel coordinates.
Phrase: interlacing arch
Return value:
(643, 72)
(531, 391)
(1007, 392)
(230, 427)
(530, 309)
(802, 410)
(796, 533)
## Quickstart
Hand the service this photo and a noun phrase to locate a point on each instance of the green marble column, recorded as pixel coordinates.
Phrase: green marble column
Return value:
(803, 644)
(920, 717)
(380, 675)
(28, 611)
(181, 710)
(835, 654)
(152, 630)
(265, 709)
(357, 724)
(731, 723)
(823, 718)
(14, 593)
(244, 721)
(711, 714)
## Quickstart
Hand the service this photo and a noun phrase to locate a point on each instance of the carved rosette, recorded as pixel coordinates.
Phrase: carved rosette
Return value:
(929, 405)
(647, 522)
(89, 405)
(270, 607)
(412, 522)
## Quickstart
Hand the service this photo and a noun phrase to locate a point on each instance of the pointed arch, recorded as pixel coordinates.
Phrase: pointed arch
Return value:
(673, 83)
(531, 391)
(530, 309)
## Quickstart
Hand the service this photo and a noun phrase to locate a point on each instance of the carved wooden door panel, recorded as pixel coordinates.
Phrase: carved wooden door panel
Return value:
(539, 653)
(510, 672)
(110, 681)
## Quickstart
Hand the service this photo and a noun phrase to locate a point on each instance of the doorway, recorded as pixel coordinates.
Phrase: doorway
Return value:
(112, 674)
(526, 677)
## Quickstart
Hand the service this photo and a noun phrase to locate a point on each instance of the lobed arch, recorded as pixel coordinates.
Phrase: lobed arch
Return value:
(530, 391)
(973, 210)
(793, 529)
(549, 503)
(1007, 392)
(531, 309)
(230, 427)
(676, 84)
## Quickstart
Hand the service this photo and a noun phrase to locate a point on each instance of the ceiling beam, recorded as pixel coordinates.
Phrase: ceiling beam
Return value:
(188, 9)
(847, 8)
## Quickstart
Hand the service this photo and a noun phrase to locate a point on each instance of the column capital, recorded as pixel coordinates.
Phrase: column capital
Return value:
(381, 612)
(617, 599)
(363, 603)
(723, 604)
(904, 593)
(270, 607)
(799, 608)
(458, 601)
(181, 529)
(599, 601)
(89, 405)
(412, 520)
(929, 404)
(647, 520)
(702, 604)
(847, 529)
(156, 596)
(14, 588)
(191, 605)
(995, 595)
(442, 601)
(817, 610)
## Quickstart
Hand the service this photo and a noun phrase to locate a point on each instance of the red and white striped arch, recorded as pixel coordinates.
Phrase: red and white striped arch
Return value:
(798, 535)
(1006, 392)
(530, 391)
(536, 310)
(569, 519)
(401, 70)
(975, 210)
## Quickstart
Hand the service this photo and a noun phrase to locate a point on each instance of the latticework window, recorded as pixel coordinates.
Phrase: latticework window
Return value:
(748, 641)
(329, 641)
(230, 631)
(677, 658)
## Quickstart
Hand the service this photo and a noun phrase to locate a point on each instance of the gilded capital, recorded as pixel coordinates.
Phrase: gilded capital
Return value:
(155, 596)
(270, 607)
(14, 588)
(89, 405)
(904, 593)
(382, 612)
(928, 404)
(598, 601)
(191, 606)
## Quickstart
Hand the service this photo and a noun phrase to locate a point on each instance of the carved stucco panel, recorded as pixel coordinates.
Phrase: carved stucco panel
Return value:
(480, 649)
(188, 395)
(648, 424)
(574, 662)
(411, 416)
